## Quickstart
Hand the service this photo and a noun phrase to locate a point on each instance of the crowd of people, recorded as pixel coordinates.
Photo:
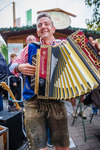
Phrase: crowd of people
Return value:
(44, 119)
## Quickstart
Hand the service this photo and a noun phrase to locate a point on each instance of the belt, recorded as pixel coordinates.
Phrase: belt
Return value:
(44, 101)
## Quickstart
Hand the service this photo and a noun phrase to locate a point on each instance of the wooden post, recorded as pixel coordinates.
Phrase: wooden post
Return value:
(14, 23)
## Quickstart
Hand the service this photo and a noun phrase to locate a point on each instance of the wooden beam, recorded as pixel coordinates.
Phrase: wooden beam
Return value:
(14, 23)
(57, 10)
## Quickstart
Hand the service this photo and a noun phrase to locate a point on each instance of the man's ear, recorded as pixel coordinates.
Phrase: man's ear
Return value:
(37, 33)
(54, 29)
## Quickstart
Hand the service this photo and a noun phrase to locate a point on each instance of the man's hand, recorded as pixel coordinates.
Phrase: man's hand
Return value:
(15, 84)
(95, 44)
(58, 41)
(64, 41)
(27, 69)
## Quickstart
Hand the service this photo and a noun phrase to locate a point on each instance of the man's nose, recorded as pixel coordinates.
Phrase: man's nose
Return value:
(43, 26)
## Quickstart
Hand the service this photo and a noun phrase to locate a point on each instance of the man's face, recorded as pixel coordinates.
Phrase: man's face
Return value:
(31, 39)
(45, 28)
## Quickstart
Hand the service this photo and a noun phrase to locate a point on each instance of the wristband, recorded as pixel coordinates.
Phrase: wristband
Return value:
(17, 68)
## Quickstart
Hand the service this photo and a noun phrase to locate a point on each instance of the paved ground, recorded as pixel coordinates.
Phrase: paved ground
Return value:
(76, 131)
(77, 138)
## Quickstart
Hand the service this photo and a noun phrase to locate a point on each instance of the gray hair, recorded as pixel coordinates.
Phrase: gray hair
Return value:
(29, 37)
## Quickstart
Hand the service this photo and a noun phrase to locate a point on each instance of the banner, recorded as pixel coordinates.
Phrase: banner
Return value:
(14, 48)
(29, 17)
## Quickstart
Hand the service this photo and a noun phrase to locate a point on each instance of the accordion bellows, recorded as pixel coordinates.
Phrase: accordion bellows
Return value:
(67, 71)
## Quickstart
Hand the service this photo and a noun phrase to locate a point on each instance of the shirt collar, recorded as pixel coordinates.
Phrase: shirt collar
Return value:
(52, 43)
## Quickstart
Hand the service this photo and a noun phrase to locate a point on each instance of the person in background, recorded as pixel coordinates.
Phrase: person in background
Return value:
(3, 73)
(94, 110)
(74, 106)
(15, 82)
(97, 45)
(37, 113)
(30, 39)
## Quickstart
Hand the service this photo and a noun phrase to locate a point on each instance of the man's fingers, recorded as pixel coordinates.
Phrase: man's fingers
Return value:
(91, 39)
(27, 69)
(95, 44)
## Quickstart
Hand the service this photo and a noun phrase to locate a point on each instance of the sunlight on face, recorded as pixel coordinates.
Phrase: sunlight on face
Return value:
(45, 27)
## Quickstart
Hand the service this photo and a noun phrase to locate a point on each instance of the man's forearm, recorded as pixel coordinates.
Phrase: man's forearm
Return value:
(14, 69)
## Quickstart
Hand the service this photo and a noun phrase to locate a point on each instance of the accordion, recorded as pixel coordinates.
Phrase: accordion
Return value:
(67, 71)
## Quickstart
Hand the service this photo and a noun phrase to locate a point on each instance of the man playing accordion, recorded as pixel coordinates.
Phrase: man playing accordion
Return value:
(40, 114)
